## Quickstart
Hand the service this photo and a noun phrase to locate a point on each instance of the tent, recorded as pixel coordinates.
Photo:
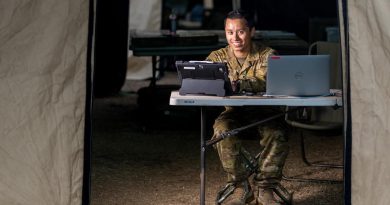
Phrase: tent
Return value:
(45, 78)
(46, 63)
(366, 56)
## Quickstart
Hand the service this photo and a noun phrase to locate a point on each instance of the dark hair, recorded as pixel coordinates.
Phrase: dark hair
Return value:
(241, 14)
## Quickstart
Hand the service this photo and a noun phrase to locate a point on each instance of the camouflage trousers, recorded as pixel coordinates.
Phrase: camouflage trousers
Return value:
(273, 144)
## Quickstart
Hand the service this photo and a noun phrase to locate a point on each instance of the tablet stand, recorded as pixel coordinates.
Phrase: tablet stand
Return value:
(203, 86)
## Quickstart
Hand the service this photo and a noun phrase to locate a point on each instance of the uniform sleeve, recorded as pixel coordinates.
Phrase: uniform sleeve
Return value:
(212, 56)
(217, 55)
(271, 52)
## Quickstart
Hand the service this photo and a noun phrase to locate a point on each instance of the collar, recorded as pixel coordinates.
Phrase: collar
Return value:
(253, 55)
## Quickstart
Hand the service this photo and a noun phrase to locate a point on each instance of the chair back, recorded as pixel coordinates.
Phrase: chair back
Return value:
(329, 114)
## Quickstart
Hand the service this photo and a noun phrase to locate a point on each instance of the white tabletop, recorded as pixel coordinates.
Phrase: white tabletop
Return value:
(205, 100)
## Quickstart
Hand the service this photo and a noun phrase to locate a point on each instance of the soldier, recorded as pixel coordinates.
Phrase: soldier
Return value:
(247, 63)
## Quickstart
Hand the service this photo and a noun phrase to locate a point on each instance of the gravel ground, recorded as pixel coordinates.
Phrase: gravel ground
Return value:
(143, 155)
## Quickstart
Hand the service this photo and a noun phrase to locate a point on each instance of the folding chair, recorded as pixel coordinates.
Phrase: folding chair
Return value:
(318, 119)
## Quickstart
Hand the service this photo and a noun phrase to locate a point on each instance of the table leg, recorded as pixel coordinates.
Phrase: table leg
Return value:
(202, 154)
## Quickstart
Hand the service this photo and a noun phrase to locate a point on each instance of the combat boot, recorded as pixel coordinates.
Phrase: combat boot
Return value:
(236, 193)
(266, 196)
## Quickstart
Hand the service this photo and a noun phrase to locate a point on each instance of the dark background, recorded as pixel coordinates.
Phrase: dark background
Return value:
(307, 19)
(297, 16)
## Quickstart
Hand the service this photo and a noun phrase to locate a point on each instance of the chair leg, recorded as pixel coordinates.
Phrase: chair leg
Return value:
(306, 161)
(304, 158)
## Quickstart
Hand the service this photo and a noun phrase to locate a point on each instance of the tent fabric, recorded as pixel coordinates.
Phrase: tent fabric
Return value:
(43, 46)
(369, 49)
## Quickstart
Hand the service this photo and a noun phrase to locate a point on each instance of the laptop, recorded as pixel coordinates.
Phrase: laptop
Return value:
(203, 77)
(298, 75)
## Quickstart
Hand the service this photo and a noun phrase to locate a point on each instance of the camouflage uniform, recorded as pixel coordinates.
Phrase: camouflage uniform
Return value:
(273, 134)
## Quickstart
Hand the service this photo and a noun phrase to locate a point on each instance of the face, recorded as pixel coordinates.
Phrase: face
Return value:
(238, 35)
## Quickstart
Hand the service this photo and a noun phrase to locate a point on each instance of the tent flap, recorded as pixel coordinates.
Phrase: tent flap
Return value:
(369, 42)
(42, 80)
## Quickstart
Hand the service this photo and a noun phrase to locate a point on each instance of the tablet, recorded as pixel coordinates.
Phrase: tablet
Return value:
(203, 77)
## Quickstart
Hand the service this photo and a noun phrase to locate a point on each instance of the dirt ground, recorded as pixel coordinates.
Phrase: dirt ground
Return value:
(150, 156)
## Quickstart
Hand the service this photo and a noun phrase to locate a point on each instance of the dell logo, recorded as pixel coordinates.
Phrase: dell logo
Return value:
(298, 75)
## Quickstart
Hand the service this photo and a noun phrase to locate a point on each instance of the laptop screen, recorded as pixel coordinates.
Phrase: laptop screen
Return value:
(298, 75)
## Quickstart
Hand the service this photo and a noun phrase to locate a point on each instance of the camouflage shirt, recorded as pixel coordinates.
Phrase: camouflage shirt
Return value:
(251, 73)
